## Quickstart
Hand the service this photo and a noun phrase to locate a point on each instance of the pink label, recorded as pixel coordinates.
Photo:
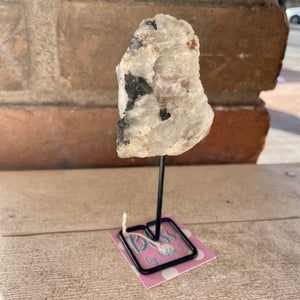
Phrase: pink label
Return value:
(174, 247)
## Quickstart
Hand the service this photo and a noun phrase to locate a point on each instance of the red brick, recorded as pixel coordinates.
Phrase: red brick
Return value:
(39, 137)
(14, 54)
(241, 45)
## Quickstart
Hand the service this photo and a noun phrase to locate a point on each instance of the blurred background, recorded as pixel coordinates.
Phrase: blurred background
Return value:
(283, 103)
(58, 88)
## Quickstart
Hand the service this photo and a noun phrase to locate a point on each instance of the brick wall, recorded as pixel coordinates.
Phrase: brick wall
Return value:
(58, 89)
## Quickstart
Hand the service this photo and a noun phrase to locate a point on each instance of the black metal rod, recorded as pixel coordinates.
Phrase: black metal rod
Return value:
(160, 196)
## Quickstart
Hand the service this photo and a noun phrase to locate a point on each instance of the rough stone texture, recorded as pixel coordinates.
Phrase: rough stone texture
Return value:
(38, 137)
(14, 54)
(162, 105)
(238, 58)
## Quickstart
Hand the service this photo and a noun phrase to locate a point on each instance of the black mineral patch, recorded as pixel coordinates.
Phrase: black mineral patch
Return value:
(121, 125)
(152, 23)
(135, 86)
(164, 114)
(135, 43)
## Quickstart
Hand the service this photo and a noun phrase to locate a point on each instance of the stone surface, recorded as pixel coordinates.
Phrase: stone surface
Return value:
(14, 54)
(92, 37)
(162, 105)
(43, 137)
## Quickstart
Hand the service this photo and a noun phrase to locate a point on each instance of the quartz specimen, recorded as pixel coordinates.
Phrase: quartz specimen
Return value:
(162, 105)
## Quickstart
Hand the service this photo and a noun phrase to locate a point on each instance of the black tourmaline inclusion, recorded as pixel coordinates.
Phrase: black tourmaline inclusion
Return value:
(152, 23)
(121, 125)
(164, 115)
(135, 86)
(135, 43)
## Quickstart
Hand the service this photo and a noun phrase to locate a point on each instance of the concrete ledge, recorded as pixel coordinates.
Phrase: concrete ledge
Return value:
(54, 231)
(44, 137)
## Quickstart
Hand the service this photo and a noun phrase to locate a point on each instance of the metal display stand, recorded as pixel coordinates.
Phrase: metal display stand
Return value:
(155, 237)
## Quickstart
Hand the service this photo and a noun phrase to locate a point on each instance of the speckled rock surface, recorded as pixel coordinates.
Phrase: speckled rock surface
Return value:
(162, 105)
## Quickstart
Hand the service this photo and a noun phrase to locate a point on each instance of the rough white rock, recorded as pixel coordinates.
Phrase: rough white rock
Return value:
(162, 105)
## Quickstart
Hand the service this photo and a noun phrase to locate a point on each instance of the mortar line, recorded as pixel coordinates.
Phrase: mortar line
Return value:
(28, 234)
(41, 29)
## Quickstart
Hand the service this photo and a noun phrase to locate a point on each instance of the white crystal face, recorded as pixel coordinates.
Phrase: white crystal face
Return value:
(162, 105)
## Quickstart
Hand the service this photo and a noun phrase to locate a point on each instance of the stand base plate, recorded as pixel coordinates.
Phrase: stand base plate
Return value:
(180, 248)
